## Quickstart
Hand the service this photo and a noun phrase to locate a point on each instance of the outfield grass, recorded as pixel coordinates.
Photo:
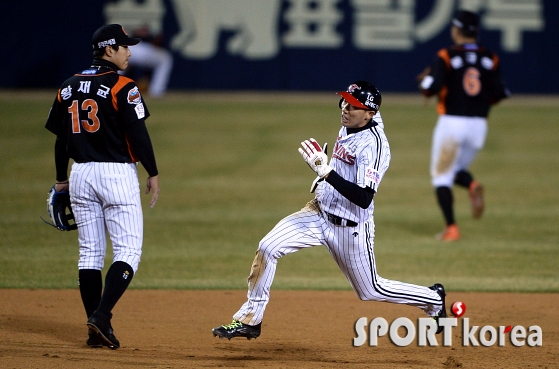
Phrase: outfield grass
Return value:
(229, 170)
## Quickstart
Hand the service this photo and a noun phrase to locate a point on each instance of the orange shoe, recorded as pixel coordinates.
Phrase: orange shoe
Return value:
(451, 233)
(476, 199)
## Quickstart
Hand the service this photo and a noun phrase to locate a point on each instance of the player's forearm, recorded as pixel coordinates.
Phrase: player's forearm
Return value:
(141, 143)
(61, 159)
(431, 83)
(148, 161)
(360, 196)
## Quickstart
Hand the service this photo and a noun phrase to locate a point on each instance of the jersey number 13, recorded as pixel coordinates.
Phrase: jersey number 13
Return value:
(91, 124)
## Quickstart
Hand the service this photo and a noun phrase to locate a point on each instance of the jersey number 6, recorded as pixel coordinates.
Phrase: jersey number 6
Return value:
(92, 123)
(471, 82)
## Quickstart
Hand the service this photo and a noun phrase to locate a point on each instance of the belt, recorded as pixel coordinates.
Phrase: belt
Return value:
(334, 219)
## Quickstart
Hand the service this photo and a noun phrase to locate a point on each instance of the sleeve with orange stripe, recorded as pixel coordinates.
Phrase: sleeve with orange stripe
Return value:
(137, 137)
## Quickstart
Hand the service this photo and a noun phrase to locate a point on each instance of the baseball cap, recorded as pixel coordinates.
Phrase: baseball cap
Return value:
(112, 34)
(466, 21)
(362, 95)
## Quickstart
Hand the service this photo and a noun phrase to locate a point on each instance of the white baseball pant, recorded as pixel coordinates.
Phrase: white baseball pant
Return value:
(107, 195)
(351, 248)
(456, 142)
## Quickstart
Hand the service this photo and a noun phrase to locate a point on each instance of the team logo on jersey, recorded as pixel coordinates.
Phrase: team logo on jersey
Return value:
(140, 111)
(89, 71)
(340, 153)
(487, 63)
(134, 96)
(457, 62)
(372, 175)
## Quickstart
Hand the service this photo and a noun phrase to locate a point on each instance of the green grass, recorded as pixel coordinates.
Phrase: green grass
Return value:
(229, 170)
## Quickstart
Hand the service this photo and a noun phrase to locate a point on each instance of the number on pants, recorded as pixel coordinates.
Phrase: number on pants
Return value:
(91, 124)
(471, 82)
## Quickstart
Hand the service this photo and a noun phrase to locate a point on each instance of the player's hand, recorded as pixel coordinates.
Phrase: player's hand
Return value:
(315, 157)
(153, 184)
(62, 186)
(425, 72)
(317, 180)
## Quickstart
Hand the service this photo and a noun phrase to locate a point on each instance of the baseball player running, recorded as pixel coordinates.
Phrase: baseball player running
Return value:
(340, 217)
(98, 119)
(151, 54)
(467, 79)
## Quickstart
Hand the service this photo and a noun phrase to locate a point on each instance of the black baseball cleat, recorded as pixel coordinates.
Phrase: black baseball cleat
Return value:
(439, 288)
(102, 326)
(237, 329)
(94, 340)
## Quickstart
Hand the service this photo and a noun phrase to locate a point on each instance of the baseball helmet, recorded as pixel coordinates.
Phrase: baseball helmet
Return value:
(362, 95)
(467, 21)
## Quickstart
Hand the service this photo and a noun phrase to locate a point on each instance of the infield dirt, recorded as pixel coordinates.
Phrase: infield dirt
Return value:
(303, 329)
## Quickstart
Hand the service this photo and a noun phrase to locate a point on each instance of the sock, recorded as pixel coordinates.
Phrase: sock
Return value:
(463, 178)
(91, 286)
(117, 280)
(445, 199)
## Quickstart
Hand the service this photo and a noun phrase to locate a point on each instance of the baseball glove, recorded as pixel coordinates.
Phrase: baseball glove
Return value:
(60, 210)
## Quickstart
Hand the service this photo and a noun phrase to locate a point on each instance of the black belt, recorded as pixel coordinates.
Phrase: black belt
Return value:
(334, 219)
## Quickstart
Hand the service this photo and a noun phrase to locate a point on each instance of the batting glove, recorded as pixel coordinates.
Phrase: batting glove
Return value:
(317, 180)
(315, 157)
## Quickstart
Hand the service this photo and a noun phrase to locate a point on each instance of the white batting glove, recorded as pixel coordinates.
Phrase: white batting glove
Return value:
(315, 157)
(317, 180)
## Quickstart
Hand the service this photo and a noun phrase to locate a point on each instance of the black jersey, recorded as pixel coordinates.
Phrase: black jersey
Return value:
(94, 112)
(467, 79)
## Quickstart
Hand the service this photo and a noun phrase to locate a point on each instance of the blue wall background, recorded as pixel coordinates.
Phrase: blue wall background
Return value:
(44, 42)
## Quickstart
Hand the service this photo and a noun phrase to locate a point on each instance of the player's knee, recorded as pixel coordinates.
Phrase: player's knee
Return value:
(167, 58)
(463, 178)
(91, 263)
(370, 293)
(264, 248)
(132, 259)
(267, 250)
(443, 181)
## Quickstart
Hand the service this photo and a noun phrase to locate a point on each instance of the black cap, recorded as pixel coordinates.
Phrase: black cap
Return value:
(467, 21)
(112, 34)
(362, 95)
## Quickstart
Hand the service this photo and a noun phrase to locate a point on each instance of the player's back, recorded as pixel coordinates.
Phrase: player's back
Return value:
(92, 107)
(472, 77)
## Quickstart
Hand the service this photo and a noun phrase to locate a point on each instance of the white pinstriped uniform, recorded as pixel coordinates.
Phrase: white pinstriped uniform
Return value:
(107, 194)
(361, 158)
